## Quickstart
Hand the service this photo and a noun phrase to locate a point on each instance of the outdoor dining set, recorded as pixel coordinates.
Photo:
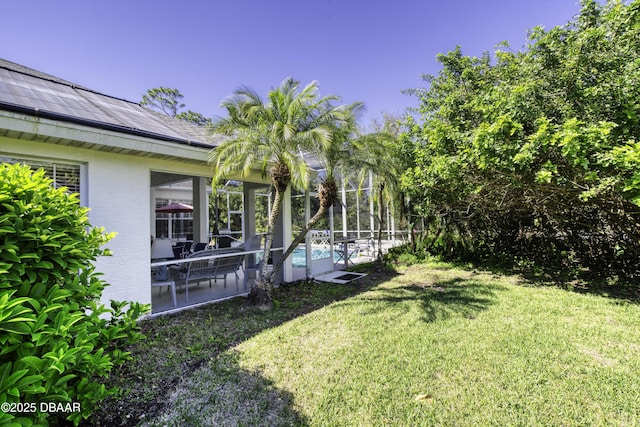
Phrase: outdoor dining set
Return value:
(184, 264)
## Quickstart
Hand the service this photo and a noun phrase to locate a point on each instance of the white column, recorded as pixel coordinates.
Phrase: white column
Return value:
(153, 213)
(282, 236)
(371, 208)
(358, 212)
(331, 240)
(345, 245)
(388, 222)
(393, 224)
(287, 234)
(307, 238)
(249, 208)
(344, 211)
(249, 226)
(200, 210)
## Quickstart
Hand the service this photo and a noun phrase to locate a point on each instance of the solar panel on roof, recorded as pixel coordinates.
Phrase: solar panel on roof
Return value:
(30, 88)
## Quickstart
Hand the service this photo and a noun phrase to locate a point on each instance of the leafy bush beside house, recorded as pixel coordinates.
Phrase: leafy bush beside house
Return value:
(56, 337)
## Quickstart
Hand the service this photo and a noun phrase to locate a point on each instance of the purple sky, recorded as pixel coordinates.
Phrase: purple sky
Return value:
(361, 50)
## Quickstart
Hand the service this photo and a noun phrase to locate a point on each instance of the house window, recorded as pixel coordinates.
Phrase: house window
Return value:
(63, 175)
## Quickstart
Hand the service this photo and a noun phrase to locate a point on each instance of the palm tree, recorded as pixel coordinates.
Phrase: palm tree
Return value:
(338, 157)
(382, 166)
(269, 137)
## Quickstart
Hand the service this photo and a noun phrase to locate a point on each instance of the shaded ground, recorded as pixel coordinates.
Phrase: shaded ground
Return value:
(178, 345)
(477, 344)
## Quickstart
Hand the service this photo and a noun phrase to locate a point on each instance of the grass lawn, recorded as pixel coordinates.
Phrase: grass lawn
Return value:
(428, 345)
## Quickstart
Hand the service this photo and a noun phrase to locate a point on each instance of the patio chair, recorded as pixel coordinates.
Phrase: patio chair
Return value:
(177, 252)
(159, 278)
(193, 271)
(199, 270)
(171, 286)
(182, 249)
(186, 248)
(223, 241)
(228, 265)
(200, 247)
(161, 249)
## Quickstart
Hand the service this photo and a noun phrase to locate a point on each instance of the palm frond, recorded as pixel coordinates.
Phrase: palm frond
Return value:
(293, 119)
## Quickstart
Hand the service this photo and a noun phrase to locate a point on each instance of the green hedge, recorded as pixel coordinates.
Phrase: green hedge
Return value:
(56, 338)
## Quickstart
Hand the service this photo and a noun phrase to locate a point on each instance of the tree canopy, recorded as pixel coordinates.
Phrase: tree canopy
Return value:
(270, 137)
(380, 168)
(535, 154)
(193, 117)
(164, 99)
(168, 101)
(336, 157)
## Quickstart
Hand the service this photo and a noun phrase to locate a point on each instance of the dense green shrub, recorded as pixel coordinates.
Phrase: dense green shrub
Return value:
(405, 255)
(56, 338)
(531, 158)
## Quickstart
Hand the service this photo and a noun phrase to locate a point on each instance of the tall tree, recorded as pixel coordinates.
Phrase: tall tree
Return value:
(167, 100)
(381, 167)
(337, 158)
(193, 117)
(269, 136)
(163, 99)
(534, 155)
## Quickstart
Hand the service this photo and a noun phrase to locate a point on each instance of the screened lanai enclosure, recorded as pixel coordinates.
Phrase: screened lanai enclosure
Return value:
(232, 219)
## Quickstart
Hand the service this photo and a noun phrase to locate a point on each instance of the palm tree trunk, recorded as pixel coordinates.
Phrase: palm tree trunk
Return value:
(268, 244)
(260, 293)
(380, 221)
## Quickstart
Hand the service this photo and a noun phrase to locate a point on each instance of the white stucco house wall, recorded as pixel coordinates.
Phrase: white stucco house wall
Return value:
(120, 152)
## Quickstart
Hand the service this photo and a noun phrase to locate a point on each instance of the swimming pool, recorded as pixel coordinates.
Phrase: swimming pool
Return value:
(299, 256)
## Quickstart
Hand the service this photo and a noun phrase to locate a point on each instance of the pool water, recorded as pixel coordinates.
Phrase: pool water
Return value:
(299, 256)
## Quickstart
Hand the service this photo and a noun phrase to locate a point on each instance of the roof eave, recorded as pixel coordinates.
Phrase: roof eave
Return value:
(80, 133)
(36, 112)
